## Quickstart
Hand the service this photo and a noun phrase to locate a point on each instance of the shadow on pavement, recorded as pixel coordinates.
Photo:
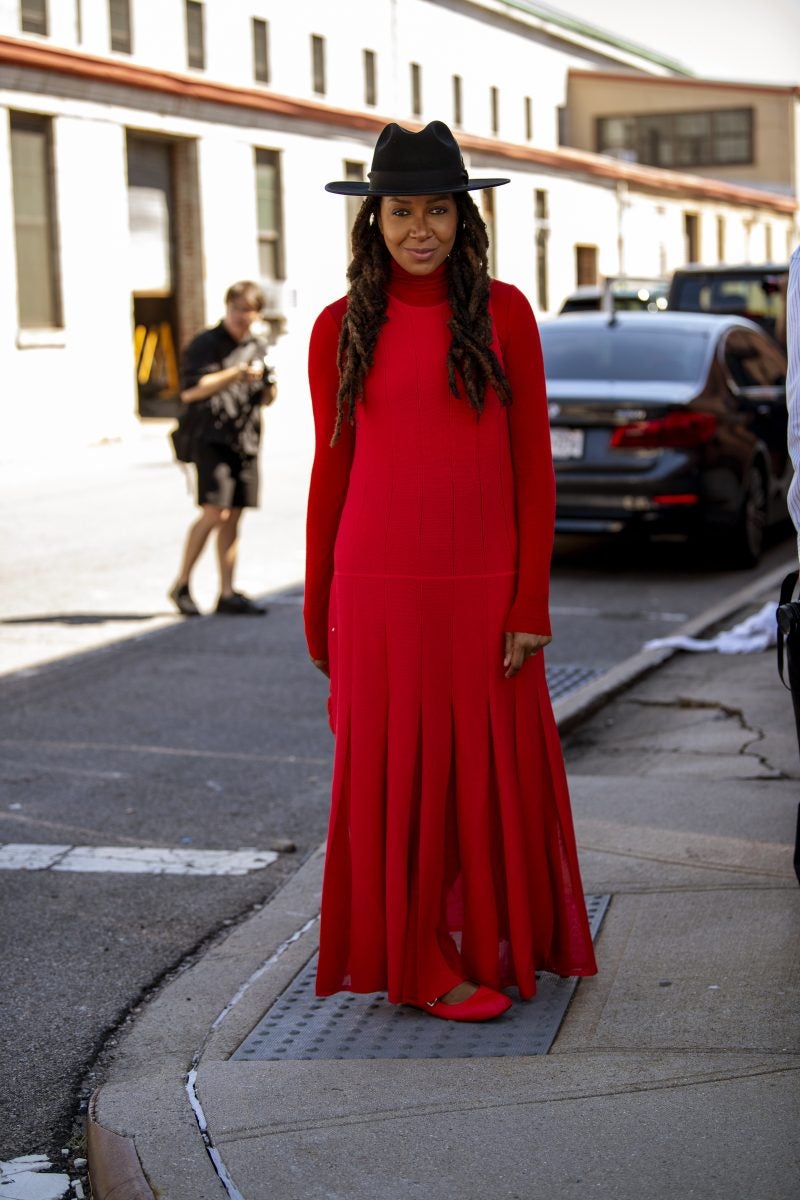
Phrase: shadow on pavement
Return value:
(79, 618)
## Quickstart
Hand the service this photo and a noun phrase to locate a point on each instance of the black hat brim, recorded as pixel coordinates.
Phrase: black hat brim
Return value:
(349, 187)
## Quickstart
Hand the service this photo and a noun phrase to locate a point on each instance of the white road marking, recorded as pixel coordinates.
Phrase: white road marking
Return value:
(138, 860)
(21, 1179)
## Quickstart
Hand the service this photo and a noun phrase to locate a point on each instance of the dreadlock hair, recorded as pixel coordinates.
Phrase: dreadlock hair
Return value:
(471, 362)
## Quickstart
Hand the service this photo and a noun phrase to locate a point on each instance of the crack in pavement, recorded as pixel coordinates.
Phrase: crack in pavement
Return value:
(737, 714)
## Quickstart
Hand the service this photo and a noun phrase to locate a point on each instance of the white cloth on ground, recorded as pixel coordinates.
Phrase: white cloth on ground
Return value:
(751, 636)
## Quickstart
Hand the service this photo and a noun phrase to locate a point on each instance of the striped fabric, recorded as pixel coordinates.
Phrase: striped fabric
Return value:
(793, 384)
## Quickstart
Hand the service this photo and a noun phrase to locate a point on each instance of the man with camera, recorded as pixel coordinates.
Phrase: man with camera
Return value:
(225, 380)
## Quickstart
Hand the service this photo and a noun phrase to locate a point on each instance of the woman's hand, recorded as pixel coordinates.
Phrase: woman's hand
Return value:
(322, 665)
(520, 646)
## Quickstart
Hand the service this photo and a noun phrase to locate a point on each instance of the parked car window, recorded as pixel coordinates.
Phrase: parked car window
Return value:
(752, 361)
(613, 352)
(758, 294)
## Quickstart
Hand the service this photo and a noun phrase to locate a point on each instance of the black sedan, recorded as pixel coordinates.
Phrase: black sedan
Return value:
(668, 423)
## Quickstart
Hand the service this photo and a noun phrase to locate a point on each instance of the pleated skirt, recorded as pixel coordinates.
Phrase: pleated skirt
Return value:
(451, 853)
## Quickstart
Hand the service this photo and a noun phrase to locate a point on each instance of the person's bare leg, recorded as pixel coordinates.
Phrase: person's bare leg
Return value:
(196, 539)
(228, 549)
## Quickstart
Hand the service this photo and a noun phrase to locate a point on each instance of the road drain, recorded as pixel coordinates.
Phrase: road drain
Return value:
(301, 1025)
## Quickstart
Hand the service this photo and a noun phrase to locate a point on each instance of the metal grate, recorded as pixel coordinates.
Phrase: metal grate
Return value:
(301, 1025)
(563, 679)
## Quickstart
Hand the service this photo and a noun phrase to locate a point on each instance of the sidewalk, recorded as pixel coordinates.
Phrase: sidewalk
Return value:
(675, 1072)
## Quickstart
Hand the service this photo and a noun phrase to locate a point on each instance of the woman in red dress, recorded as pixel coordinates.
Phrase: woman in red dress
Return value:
(451, 872)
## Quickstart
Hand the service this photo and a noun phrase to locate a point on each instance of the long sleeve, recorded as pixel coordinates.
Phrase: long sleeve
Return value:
(793, 384)
(329, 478)
(534, 480)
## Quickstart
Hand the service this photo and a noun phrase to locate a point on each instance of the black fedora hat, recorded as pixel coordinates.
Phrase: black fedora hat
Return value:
(427, 163)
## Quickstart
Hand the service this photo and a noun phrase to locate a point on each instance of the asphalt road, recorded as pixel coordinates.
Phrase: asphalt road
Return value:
(202, 734)
(608, 597)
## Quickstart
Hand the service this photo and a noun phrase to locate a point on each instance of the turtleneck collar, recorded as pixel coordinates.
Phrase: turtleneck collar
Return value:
(421, 290)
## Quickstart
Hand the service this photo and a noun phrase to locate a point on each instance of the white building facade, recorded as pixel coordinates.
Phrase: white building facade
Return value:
(154, 151)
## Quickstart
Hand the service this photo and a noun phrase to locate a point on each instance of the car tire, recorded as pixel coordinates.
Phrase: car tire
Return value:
(746, 539)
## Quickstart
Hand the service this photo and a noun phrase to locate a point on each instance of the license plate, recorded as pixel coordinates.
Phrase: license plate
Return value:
(566, 443)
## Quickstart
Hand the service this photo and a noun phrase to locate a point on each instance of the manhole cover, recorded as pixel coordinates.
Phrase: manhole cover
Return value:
(302, 1025)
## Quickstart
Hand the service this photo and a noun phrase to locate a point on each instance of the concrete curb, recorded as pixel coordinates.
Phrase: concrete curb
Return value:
(114, 1167)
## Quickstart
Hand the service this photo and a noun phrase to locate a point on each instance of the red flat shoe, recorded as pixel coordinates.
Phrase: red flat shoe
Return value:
(483, 1005)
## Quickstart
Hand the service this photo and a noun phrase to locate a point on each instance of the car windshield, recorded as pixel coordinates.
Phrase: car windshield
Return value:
(614, 352)
(759, 297)
(744, 295)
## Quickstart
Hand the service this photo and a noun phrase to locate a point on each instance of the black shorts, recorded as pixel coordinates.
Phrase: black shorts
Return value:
(224, 478)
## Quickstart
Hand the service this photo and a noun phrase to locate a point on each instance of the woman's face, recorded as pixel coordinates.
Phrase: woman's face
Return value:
(419, 231)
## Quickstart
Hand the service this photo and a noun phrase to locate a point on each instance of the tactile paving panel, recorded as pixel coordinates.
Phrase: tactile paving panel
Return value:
(563, 678)
(302, 1025)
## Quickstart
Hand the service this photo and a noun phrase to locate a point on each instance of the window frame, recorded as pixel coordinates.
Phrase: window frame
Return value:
(587, 253)
(355, 172)
(489, 214)
(494, 109)
(318, 72)
(416, 89)
(370, 61)
(642, 128)
(458, 101)
(21, 121)
(195, 21)
(126, 45)
(274, 237)
(37, 23)
(259, 32)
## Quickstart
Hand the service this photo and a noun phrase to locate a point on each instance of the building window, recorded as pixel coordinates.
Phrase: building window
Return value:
(528, 119)
(38, 288)
(370, 77)
(458, 104)
(722, 137)
(585, 265)
(562, 125)
(487, 212)
(494, 100)
(691, 237)
(416, 89)
(33, 16)
(542, 214)
(195, 35)
(318, 64)
(119, 20)
(260, 51)
(269, 216)
(354, 171)
(721, 239)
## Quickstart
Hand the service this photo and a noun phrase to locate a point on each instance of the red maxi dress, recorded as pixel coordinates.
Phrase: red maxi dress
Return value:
(451, 853)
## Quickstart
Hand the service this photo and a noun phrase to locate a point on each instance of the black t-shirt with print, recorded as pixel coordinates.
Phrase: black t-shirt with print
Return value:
(232, 416)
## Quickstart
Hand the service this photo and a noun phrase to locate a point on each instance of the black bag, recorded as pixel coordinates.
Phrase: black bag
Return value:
(182, 437)
(788, 618)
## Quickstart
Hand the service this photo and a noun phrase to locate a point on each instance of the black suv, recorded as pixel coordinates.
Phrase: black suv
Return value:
(754, 290)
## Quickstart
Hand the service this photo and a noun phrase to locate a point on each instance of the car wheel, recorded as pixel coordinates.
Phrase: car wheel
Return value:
(747, 536)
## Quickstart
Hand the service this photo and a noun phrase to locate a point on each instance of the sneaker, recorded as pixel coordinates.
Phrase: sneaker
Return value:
(181, 597)
(237, 605)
